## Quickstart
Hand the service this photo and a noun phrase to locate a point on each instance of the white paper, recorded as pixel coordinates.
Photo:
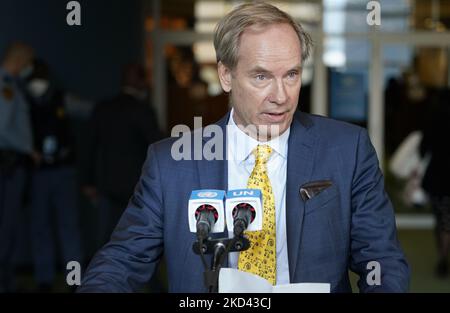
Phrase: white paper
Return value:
(234, 281)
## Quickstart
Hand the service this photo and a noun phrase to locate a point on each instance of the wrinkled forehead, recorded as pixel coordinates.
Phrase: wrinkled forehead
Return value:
(274, 44)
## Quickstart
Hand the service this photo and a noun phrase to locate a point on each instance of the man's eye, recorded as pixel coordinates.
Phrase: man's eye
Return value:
(292, 74)
(260, 77)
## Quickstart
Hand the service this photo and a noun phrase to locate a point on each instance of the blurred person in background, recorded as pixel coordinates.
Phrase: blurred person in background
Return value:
(15, 150)
(185, 83)
(121, 129)
(436, 179)
(53, 195)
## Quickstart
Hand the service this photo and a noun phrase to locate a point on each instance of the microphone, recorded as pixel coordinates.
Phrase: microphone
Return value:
(244, 210)
(206, 212)
(206, 216)
(243, 214)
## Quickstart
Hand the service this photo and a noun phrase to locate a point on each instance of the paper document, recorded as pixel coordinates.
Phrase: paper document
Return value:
(234, 281)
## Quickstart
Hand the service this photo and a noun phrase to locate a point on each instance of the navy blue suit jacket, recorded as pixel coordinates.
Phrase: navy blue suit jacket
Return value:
(344, 227)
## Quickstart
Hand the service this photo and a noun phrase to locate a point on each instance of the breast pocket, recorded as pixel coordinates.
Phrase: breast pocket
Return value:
(322, 199)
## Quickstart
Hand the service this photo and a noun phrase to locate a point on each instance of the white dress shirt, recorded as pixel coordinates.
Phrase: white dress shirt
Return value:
(240, 165)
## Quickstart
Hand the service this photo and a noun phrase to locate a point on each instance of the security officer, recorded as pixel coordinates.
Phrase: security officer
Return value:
(53, 191)
(15, 149)
(124, 123)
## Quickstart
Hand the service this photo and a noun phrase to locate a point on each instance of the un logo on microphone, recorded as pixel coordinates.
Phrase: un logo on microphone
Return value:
(207, 194)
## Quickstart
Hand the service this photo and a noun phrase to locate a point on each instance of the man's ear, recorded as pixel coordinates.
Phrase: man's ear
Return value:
(224, 76)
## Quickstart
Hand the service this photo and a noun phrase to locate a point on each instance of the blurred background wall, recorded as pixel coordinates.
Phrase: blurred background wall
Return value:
(86, 59)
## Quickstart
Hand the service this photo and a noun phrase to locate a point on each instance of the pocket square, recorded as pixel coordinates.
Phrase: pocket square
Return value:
(312, 189)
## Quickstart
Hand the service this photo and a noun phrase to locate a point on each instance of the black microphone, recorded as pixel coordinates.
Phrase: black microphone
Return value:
(206, 216)
(243, 215)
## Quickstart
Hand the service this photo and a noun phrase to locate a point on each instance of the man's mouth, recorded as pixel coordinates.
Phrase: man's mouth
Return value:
(274, 117)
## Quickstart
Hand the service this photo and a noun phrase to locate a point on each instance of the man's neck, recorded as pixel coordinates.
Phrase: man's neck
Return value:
(257, 132)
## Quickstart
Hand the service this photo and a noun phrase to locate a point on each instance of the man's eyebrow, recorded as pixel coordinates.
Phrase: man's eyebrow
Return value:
(261, 70)
(258, 70)
(296, 68)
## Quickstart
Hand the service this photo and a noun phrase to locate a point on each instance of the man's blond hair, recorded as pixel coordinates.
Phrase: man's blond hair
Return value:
(230, 28)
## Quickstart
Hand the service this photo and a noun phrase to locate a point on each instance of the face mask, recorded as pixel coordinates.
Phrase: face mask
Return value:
(26, 71)
(38, 87)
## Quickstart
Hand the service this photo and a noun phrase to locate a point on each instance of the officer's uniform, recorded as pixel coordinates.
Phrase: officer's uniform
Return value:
(53, 188)
(15, 146)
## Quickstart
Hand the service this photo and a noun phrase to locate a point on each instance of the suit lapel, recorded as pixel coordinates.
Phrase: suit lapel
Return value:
(299, 169)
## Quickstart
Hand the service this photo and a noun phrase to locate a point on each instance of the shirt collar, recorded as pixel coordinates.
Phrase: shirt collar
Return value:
(237, 138)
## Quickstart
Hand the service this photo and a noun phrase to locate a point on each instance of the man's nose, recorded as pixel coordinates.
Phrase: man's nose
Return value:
(279, 94)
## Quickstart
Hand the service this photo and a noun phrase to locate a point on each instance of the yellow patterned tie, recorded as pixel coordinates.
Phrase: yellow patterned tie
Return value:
(260, 258)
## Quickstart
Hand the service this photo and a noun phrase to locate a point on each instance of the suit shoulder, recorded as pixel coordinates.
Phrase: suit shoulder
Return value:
(334, 129)
(163, 147)
(177, 151)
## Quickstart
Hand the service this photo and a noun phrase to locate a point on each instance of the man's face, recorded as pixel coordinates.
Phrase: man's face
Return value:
(266, 81)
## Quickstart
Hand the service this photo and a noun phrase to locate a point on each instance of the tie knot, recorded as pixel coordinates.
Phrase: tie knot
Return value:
(262, 153)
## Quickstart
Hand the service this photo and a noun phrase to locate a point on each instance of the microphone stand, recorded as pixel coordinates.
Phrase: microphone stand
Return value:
(219, 248)
(212, 276)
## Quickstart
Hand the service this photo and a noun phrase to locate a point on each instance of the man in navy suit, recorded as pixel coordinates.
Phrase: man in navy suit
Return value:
(346, 222)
